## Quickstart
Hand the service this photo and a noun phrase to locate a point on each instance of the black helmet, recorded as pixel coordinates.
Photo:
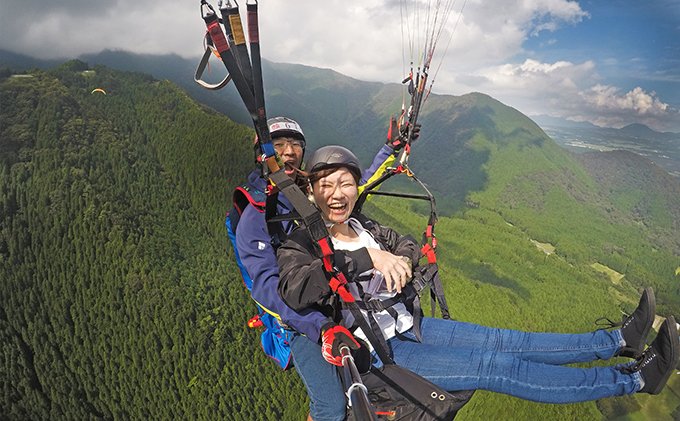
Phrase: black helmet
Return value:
(284, 127)
(333, 156)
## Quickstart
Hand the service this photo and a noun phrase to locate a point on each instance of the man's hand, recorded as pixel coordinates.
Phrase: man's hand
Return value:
(395, 139)
(416, 132)
(332, 336)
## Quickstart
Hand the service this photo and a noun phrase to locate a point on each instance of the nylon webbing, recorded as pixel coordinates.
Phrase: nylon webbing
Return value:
(337, 284)
(378, 341)
(237, 39)
(309, 214)
(274, 226)
(258, 89)
(247, 76)
(222, 46)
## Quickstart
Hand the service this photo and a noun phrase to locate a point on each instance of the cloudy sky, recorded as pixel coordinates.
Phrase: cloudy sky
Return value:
(610, 62)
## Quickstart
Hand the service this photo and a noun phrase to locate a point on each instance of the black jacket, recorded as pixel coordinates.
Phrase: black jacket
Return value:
(302, 278)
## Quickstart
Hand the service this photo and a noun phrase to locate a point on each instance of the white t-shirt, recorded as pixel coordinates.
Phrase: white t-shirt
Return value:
(375, 287)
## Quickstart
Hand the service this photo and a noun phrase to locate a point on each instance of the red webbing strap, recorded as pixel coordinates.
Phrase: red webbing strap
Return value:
(429, 251)
(429, 240)
(325, 248)
(338, 280)
(336, 283)
(327, 264)
(217, 35)
(327, 253)
(340, 289)
(253, 26)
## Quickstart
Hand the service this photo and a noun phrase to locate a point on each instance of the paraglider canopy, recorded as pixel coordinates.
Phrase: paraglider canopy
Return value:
(97, 90)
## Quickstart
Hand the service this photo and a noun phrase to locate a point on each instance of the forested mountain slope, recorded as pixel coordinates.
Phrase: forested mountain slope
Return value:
(120, 297)
(617, 209)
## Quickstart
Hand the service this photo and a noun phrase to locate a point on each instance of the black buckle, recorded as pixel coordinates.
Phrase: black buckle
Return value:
(374, 305)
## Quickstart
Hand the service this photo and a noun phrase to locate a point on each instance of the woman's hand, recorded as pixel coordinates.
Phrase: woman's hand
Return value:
(396, 271)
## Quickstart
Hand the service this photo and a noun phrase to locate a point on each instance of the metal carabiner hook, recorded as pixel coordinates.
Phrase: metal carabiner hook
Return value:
(206, 4)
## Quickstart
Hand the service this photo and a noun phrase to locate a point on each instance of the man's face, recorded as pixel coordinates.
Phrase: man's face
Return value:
(291, 151)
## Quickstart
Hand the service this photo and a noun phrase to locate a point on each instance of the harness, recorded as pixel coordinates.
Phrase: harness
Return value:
(274, 335)
(423, 276)
(242, 197)
(393, 391)
(245, 70)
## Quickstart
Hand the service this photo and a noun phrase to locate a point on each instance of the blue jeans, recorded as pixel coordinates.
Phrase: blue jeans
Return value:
(460, 356)
(322, 380)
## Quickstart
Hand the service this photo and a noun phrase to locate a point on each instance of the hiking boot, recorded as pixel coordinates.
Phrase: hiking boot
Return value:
(659, 360)
(635, 328)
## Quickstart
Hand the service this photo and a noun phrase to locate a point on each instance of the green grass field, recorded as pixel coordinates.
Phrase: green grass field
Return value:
(613, 275)
(657, 408)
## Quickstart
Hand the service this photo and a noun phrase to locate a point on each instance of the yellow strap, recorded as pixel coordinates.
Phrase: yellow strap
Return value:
(237, 29)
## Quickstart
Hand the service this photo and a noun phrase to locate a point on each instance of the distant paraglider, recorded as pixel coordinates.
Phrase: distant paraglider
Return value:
(97, 90)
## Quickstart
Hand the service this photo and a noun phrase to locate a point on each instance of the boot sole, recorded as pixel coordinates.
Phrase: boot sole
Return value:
(652, 313)
(675, 353)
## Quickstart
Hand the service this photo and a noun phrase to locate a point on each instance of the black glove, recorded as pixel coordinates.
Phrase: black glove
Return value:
(394, 137)
(332, 336)
(416, 132)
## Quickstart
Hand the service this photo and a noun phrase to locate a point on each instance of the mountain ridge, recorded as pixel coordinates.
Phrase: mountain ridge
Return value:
(473, 133)
(544, 120)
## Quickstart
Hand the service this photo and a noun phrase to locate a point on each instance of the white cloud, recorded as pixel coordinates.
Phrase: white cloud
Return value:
(613, 108)
(65, 30)
(607, 98)
(570, 91)
(532, 79)
(360, 39)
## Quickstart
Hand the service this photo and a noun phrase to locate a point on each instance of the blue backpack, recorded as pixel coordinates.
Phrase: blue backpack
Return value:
(273, 337)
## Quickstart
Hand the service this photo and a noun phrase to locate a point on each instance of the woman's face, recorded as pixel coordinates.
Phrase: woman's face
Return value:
(336, 195)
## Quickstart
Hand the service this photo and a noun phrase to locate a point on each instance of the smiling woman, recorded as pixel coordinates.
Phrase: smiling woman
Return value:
(334, 177)
(368, 304)
(336, 194)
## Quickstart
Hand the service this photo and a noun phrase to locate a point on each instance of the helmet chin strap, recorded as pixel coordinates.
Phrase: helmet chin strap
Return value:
(330, 224)
(310, 196)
